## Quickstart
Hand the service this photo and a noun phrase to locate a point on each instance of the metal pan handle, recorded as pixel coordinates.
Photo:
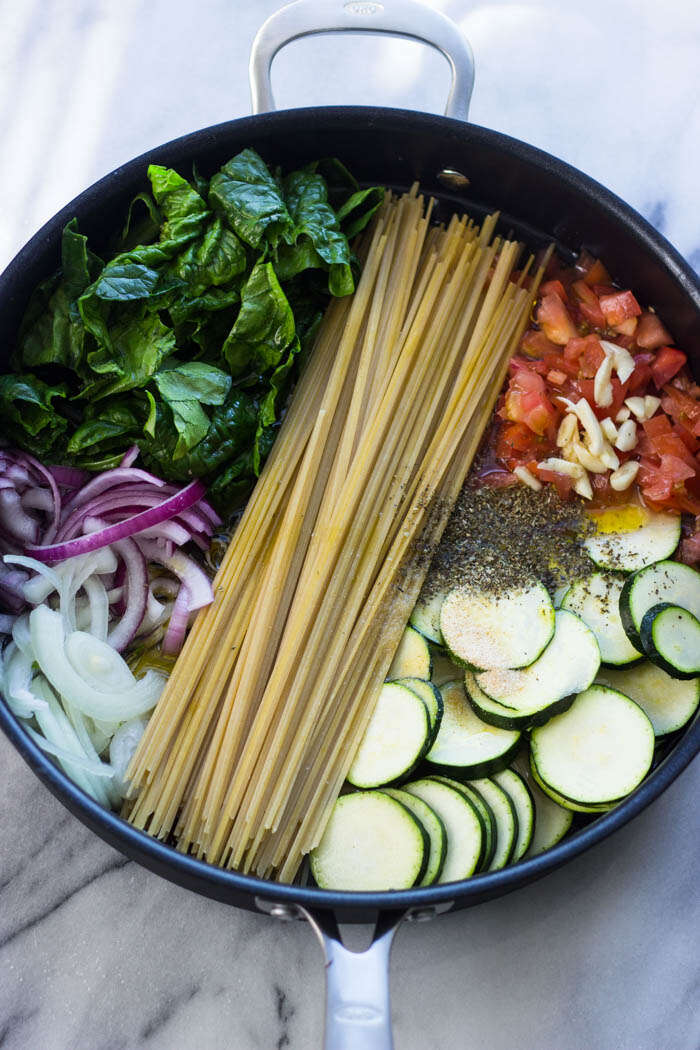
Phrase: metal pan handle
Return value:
(406, 18)
(358, 1013)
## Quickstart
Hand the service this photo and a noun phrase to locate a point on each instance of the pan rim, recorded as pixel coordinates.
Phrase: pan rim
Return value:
(220, 883)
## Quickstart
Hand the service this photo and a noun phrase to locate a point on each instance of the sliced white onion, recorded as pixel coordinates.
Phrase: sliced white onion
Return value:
(122, 748)
(47, 576)
(77, 677)
(98, 605)
(21, 635)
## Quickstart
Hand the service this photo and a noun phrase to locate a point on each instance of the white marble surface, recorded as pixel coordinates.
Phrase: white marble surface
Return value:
(98, 954)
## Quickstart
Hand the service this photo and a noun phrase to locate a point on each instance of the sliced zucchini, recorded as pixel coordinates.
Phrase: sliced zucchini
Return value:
(567, 803)
(596, 600)
(568, 665)
(433, 827)
(371, 842)
(485, 812)
(444, 669)
(431, 697)
(505, 817)
(552, 821)
(669, 703)
(464, 743)
(646, 537)
(412, 658)
(483, 630)
(597, 752)
(464, 826)
(671, 639)
(395, 739)
(491, 711)
(426, 617)
(521, 797)
(665, 581)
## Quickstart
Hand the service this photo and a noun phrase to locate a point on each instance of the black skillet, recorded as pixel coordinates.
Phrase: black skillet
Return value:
(465, 167)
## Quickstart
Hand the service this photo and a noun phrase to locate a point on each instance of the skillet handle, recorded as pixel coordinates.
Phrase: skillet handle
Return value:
(406, 18)
(358, 1013)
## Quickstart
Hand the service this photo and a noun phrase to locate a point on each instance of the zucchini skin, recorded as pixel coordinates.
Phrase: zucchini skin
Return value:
(477, 769)
(646, 633)
(626, 614)
(516, 721)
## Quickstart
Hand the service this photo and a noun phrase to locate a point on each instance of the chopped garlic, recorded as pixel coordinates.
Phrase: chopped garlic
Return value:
(602, 385)
(588, 460)
(562, 466)
(583, 487)
(627, 436)
(623, 415)
(623, 362)
(636, 406)
(568, 429)
(622, 478)
(651, 404)
(591, 425)
(609, 429)
(524, 475)
(608, 457)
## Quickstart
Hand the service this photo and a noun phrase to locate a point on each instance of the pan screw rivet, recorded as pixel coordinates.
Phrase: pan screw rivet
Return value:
(281, 911)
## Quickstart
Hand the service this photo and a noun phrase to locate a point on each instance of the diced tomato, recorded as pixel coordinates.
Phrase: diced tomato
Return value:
(592, 358)
(682, 408)
(527, 402)
(593, 270)
(554, 288)
(555, 320)
(576, 347)
(559, 363)
(657, 425)
(641, 377)
(588, 304)
(618, 306)
(536, 344)
(666, 364)
(564, 484)
(556, 378)
(651, 334)
(516, 437)
(627, 328)
(691, 443)
(671, 445)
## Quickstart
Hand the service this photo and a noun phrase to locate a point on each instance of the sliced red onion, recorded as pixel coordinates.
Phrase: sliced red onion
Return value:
(136, 594)
(6, 623)
(12, 586)
(168, 530)
(109, 479)
(169, 508)
(175, 634)
(45, 474)
(129, 457)
(15, 520)
(69, 477)
(37, 499)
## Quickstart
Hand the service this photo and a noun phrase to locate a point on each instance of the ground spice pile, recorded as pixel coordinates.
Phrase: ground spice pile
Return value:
(499, 538)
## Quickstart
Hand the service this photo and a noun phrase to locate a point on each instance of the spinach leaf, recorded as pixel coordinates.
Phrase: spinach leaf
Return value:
(249, 198)
(30, 418)
(139, 343)
(193, 380)
(105, 426)
(52, 332)
(184, 210)
(358, 209)
(264, 327)
(184, 389)
(212, 260)
(231, 429)
(316, 227)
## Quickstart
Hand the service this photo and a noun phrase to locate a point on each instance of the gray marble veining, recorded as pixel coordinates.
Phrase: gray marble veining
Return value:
(95, 952)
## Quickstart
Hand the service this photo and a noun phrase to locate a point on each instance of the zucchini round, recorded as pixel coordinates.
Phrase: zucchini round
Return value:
(596, 600)
(466, 745)
(669, 703)
(597, 752)
(483, 630)
(654, 539)
(665, 581)
(671, 639)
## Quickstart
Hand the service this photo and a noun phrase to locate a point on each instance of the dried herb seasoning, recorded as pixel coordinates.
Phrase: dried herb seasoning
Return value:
(498, 538)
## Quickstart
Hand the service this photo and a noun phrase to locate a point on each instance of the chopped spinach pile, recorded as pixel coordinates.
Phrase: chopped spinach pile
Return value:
(187, 339)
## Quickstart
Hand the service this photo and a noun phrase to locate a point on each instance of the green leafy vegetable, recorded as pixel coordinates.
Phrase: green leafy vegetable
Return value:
(189, 337)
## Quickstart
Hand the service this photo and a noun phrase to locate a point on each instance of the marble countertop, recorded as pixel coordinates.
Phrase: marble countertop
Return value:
(97, 953)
